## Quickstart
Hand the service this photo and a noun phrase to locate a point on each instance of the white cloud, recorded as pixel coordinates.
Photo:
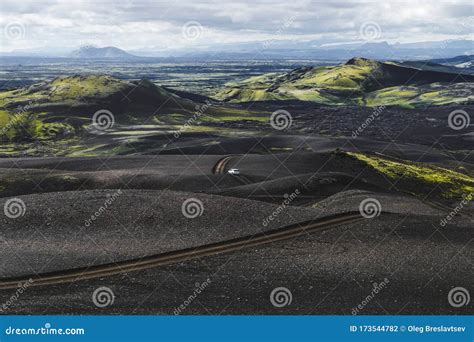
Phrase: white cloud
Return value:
(133, 24)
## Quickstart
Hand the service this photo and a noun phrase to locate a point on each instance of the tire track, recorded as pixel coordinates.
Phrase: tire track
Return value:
(168, 258)
(220, 166)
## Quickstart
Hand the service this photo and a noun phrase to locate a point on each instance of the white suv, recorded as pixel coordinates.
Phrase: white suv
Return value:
(233, 172)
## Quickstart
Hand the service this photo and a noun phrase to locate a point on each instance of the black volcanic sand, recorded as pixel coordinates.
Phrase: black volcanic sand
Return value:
(56, 233)
(301, 142)
(40, 181)
(350, 200)
(267, 177)
(419, 133)
(309, 187)
(181, 164)
(329, 272)
(427, 126)
(21, 176)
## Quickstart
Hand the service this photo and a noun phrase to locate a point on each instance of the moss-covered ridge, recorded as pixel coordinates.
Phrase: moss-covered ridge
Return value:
(65, 105)
(63, 108)
(420, 178)
(79, 90)
(358, 82)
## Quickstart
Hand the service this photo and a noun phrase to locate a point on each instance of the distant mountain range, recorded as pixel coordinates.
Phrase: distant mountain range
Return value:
(458, 64)
(321, 50)
(454, 60)
(108, 52)
(277, 49)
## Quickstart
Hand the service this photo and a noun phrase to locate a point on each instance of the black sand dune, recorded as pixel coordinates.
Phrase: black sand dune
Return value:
(56, 232)
(327, 273)
(310, 187)
(427, 144)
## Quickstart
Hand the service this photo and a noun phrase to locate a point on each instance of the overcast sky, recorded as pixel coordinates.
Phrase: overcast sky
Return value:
(131, 24)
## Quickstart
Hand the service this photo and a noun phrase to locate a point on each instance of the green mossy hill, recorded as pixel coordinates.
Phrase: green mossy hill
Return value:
(434, 94)
(62, 107)
(87, 90)
(318, 84)
(74, 87)
(360, 81)
(421, 178)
